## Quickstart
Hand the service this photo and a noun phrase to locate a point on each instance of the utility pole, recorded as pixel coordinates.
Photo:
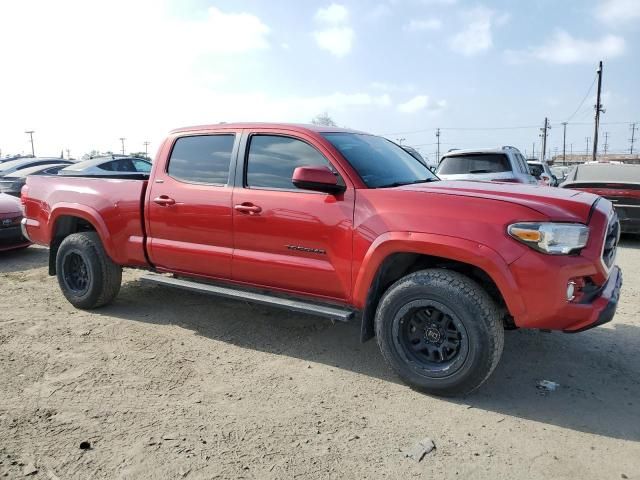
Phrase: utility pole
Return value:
(599, 109)
(606, 142)
(587, 151)
(122, 139)
(564, 142)
(146, 145)
(533, 155)
(68, 154)
(438, 140)
(400, 140)
(30, 133)
(545, 132)
(633, 137)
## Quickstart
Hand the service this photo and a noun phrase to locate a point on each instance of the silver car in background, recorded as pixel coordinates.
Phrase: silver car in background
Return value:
(502, 164)
(108, 166)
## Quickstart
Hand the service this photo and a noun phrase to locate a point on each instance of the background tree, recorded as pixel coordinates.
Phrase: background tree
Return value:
(324, 119)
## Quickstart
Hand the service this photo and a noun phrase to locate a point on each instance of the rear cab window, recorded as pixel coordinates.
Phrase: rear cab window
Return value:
(474, 163)
(202, 158)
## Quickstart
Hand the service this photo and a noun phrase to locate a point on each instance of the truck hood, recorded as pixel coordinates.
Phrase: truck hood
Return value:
(557, 204)
(9, 204)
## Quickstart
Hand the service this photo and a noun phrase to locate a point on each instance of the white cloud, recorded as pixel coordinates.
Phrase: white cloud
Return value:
(562, 48)
(616, 12)
(337, 35)
(102, 84)
(418, 25)
(224, 32)
(421, 102)
(333, 14)
(476, 37)
(337, 40)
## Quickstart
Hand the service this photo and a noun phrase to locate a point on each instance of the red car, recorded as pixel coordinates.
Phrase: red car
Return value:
(11, 237)
(618, 183)
(341, 224)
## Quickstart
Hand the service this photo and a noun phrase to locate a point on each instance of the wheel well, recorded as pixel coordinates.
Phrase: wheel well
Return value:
(398, 265)
(65, 226)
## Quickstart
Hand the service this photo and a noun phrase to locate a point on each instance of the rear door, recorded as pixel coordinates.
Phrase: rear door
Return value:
(188, 208)
(285, 237)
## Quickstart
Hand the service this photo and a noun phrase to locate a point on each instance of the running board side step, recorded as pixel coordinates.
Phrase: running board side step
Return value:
(330, 311)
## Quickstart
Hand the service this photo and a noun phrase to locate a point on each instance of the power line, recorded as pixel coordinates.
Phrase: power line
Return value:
(518, 127)
(583, 100)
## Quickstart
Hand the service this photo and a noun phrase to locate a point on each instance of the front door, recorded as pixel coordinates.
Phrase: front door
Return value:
(287, 238)
(189, 212)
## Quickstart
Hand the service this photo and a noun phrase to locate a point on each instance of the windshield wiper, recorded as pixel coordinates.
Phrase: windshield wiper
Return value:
(400, 184)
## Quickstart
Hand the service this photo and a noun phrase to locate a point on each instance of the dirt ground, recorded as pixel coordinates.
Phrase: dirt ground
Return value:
(168, 384)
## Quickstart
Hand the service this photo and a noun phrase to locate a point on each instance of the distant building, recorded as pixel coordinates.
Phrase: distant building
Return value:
(610, 157)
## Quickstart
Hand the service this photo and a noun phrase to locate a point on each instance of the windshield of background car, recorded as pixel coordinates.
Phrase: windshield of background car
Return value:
(378, 161)
(474, 163)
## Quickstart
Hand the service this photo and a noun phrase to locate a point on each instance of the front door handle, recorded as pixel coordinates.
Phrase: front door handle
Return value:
(164, 200)
(249, 208)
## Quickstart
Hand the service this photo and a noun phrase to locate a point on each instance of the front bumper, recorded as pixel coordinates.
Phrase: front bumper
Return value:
(11, 238)
(605, 304)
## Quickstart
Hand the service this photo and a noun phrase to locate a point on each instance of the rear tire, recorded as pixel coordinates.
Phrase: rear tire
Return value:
(87, 276)
(440, 332)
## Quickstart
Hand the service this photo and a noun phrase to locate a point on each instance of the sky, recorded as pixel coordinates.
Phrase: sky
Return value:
(84, 73)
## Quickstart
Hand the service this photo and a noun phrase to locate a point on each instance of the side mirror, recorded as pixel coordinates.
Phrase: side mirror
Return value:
(318, 179)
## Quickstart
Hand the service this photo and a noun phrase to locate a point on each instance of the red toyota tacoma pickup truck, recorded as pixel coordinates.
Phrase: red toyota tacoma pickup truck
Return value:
(340, 223)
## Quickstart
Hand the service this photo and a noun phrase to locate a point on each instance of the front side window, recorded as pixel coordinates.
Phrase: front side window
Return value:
(272, 160)
(379, 162)
(474, 163)
(202, 159)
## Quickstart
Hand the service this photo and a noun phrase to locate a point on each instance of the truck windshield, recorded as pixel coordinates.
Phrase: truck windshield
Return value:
(474, 163)
(379, 162)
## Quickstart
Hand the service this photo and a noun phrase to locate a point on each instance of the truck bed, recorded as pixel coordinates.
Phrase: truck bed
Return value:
(113, 207)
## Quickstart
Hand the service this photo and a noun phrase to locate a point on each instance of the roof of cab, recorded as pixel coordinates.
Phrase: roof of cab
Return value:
(296, 127)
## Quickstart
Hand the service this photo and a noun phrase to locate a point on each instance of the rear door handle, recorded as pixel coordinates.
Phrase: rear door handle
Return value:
(249, 208)
(164, 200)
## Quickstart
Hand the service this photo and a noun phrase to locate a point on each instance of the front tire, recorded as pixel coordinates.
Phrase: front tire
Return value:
(87, 276)
(440, 332)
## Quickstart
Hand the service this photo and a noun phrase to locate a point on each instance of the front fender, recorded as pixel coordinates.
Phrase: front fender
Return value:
(452, 248)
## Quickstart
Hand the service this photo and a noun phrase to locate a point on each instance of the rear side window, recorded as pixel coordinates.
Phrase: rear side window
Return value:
(272, 160)
(123, 165)
(475, 163)
(523, 164)
(141, 166)
(202, 159)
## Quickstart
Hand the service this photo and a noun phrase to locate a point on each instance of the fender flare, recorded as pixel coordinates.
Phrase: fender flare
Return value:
(90, 215)
(444, 246)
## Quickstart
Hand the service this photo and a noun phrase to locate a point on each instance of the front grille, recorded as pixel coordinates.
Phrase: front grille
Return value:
(10, 222)
(611, 241)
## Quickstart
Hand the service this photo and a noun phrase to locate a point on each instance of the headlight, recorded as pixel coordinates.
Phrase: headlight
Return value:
(552, 238)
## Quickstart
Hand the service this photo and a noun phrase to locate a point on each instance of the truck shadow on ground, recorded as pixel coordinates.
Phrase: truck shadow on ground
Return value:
(598, 371)
(24, 259)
